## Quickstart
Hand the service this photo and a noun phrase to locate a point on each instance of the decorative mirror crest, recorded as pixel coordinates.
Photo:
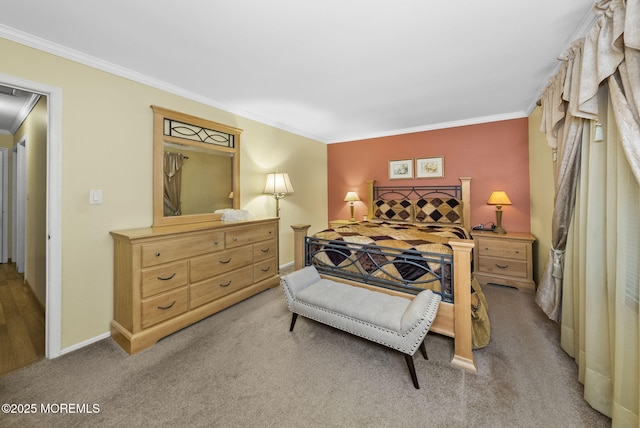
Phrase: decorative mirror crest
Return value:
(174, 128)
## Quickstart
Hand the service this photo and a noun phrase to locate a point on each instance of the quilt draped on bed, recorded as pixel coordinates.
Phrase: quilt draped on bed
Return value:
(400, 241)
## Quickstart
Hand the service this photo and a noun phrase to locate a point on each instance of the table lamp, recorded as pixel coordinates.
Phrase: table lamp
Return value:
(499, 198)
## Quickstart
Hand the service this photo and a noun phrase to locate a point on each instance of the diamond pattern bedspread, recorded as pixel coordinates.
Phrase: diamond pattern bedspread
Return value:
(390, 254)
(394, 257)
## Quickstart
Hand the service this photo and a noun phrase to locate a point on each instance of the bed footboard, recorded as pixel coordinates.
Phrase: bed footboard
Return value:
(453, 320)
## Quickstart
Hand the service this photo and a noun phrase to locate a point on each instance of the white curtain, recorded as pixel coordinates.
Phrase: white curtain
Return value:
(600, 324)
(595, 294)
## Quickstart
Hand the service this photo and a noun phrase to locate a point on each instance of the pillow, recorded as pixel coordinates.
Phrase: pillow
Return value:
(438, 210)
(395, 209)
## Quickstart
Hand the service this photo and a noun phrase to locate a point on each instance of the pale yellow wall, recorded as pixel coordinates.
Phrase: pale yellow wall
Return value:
(6, 141)
(542, 191)
(34, 128)
(107, 144)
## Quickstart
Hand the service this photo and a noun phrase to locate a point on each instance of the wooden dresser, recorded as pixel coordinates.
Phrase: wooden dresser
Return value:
(505, 259)
(166, 278)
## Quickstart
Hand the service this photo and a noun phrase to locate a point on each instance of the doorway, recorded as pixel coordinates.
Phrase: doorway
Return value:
(53, 208)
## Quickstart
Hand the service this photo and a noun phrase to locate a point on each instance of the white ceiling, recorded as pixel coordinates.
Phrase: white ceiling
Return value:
(332, 70)
(15, 105)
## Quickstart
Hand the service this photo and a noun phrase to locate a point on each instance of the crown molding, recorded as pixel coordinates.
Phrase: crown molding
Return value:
(435, 126)
(97, 63)
(48, 46)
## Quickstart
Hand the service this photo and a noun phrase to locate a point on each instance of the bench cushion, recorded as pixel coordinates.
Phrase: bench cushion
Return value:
(365, 305)
(416, 310)
(300, 279)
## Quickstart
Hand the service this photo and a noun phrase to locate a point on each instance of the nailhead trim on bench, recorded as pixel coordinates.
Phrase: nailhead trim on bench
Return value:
(411, 351)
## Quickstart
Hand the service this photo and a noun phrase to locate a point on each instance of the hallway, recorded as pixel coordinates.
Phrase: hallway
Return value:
(22, 322)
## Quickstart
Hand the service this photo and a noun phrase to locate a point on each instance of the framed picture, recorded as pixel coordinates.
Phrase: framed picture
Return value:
(400, 169)
(430, 167)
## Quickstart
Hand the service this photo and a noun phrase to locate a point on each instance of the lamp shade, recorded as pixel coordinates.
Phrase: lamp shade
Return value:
(351, 197)
(499, 197)
(278, 183)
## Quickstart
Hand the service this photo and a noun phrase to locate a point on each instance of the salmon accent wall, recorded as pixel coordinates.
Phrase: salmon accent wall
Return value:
(495, 155)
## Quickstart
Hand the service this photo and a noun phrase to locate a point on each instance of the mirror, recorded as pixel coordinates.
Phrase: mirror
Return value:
(196, 168)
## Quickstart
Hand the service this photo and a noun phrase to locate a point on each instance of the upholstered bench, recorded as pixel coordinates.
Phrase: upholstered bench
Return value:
(396, 322)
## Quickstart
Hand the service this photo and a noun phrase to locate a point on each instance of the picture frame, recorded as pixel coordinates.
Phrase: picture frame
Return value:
(401, 169)
(432, 167)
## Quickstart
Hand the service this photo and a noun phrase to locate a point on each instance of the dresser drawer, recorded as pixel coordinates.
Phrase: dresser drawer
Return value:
(264, 250)
(163, 278)
(214, 288)
(246, 235)
(264, 270)
(508, 249)
(168, 251)
(210, 265)
(163, 307)
(515, 268)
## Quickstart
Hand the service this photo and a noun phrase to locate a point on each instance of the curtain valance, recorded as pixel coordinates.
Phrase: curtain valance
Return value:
(610, 50)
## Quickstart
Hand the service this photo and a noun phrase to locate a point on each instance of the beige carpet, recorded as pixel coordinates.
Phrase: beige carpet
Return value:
(243, 368)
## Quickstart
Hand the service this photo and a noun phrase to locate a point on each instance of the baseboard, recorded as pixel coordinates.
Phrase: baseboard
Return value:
(85, 343)
(287, 267)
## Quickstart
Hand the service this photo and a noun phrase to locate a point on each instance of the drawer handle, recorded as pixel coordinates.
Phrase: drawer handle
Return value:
(265, 250)
(224, 262)
(225, 285)
(167, 278)
(266, 269)
(235, 239)
(215, 242)
(157, 254)
(167, 307)
(501, 267)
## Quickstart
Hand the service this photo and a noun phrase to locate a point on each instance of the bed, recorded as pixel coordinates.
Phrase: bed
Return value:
(415, 238)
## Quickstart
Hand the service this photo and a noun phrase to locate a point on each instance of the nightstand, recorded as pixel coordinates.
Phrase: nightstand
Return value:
(339, 223)
(505, 259)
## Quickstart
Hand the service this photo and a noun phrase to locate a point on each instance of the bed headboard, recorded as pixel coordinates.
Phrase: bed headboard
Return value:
(461, 191)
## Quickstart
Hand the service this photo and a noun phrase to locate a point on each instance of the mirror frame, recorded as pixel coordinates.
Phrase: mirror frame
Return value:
(159, 115)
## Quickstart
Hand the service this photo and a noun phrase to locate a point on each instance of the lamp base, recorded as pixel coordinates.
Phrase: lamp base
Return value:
(499, 230)
(277, 197)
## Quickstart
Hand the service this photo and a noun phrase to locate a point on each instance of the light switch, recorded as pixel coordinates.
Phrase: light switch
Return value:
(95, 197)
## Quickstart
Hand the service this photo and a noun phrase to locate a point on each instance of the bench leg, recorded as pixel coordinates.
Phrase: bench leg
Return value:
(412, 370)
(423, 349)
(293, 321)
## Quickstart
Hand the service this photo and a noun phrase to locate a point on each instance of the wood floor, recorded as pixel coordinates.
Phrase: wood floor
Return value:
(22, 333)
